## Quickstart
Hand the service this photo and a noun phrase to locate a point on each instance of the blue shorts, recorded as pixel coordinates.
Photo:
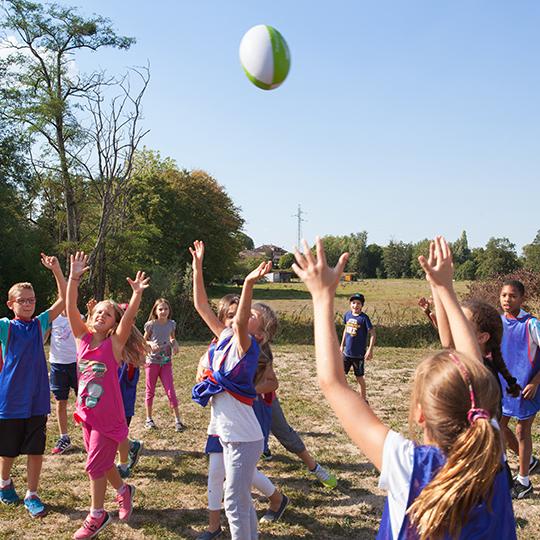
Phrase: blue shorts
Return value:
(62, 378)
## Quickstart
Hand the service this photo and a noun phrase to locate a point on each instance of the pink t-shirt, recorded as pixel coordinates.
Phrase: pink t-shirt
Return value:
(99, 401)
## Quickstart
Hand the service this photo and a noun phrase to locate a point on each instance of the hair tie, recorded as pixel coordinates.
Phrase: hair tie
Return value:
(475, 414)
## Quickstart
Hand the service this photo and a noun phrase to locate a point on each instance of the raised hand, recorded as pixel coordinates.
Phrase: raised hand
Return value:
(197, 252)
(140, 282)
(425, 304)
(439, 267)
(79, 264)
(259, 272)
(90, 305)
(315, 272)
(50, 262)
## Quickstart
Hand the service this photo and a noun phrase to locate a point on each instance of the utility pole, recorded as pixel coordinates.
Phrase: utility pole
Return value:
(300, 219)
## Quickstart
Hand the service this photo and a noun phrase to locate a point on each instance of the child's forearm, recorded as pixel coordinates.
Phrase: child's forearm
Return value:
(461, 331)
(133, 306)
(244, 305)
(443, 326)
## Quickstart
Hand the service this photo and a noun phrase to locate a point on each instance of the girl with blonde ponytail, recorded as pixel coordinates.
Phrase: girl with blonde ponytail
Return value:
(453, 485)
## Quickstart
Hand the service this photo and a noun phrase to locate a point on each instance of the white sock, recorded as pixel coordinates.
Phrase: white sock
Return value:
(64, 436)
(96, 512)
(314, 471)
(123, 466)
(30, 493)
(523, 480)
(4, 483)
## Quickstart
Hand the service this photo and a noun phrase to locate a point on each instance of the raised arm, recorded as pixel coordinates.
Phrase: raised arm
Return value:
(240, 322)
(51, 263)
(79, 265)
(123, 330)
(439, 270)
(443, 326)
(200, 299)
(359, 421)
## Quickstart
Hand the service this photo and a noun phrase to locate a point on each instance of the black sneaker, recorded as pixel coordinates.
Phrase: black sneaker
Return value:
(519, 491)
(135, 450)
(534, 464)
(267, 455)
(270, 516)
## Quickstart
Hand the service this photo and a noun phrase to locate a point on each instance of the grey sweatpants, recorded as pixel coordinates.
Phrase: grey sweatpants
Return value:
(284, 433)
(240, 460)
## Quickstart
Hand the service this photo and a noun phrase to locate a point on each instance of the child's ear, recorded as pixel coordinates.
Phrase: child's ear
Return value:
(419, 417)
(9, 304)
(483, 337)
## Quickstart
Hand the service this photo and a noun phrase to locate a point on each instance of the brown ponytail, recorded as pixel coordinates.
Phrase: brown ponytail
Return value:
(473, 450)
(487, 319)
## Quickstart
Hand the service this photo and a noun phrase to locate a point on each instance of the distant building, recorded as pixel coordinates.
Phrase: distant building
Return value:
(279, 276)
(267, 251)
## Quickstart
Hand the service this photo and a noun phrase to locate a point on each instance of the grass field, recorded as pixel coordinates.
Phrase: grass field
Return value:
(171, 475)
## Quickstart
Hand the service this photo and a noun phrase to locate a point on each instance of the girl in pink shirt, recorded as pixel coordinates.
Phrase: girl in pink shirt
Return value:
(103, 342)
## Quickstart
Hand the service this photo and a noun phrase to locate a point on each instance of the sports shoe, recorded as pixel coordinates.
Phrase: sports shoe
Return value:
(207, 535)
(271, 516)
(534, 464)
(179, 427)
(135, 450)
(92, 526)
(63, 444)
(8, 495)
(519, 491)
(124, 473)
(267, 455)
(125, 502)
(34, 506)
(326, 478)
(150, 424)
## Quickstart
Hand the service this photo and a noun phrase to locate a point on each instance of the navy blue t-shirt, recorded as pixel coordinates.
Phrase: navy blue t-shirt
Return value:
(356, 332)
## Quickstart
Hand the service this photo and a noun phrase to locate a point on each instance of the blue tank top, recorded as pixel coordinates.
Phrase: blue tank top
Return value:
(523, 362)
(24, 381)
(485, 521)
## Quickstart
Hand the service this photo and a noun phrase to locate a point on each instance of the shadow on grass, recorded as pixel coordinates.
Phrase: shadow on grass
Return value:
(261, 292)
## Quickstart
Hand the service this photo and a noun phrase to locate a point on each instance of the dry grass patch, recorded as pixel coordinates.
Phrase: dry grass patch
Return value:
(171, 475)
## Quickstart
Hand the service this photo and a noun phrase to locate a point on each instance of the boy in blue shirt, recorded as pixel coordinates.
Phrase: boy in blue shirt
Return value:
(358, 329)
(24, 387)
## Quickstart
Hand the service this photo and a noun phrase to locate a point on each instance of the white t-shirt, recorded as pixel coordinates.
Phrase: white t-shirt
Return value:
(63, 347)
(396, 475)
(230, 419)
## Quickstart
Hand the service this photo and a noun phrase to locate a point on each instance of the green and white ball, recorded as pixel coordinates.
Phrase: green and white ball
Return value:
(265, 56)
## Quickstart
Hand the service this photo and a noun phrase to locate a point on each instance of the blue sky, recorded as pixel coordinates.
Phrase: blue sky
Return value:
(404, 118)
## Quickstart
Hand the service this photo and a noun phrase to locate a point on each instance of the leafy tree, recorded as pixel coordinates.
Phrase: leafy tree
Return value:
(420, 248)
(460, 249)
(334, 246)
(397, 259)
(531, 254)
(498, 257)
(374, 262)
(286, 261)
(245, 241)
(466, 271)
(39, 89)
(356, 244)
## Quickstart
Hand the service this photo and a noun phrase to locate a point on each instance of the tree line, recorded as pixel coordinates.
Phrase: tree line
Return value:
(400, 259)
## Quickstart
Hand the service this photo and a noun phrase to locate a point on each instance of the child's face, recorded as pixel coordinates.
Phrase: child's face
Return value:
(255, 325)
(23, 304)
(103, 317)
(356, 306)
(229, 316)
(510, 300)
(162, 311)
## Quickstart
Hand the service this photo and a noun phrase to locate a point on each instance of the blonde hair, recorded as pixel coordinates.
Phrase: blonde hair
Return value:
(473, 446)
(136, 347)
(14, 289)
(269, 321)
(153, 315)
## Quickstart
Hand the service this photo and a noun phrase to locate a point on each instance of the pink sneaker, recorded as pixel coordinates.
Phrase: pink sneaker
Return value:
(125, 502)
(92, 526)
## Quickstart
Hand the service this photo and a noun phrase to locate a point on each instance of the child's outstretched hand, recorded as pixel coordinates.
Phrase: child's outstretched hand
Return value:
(50, 262)
(259, 272)
(197, 252)
(90, 305)
(79, 264)
(140, 282)
(438, 267)
(315, 272)
(424, 304)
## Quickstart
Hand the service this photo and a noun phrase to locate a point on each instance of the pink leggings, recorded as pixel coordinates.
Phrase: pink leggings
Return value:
(164, 372)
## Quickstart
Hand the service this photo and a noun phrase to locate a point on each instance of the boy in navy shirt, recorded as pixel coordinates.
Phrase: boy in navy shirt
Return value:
(358, 330)
(24, 387)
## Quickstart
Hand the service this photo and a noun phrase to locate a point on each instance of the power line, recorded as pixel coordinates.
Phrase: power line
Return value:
(300, 219)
